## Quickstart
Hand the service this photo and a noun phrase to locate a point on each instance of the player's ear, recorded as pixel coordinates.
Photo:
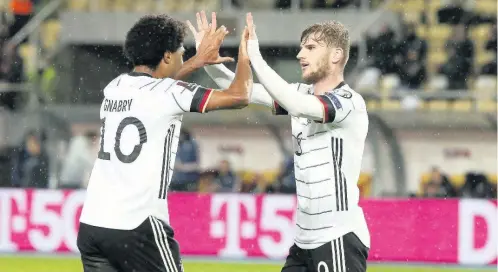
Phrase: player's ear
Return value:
(337, 54)
(167, 57)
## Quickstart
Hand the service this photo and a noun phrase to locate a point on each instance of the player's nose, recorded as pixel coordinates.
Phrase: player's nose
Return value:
(300, 55)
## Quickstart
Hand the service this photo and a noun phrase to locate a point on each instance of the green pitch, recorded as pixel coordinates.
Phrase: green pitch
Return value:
(39, 264)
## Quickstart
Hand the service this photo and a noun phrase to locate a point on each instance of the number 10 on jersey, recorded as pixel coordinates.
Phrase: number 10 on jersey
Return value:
(128, 121)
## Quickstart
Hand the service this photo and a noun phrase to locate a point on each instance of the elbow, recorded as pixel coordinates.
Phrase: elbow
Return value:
(241, 102)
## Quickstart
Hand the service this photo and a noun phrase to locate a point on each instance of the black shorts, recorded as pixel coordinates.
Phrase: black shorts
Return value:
(149, 247)
(344, 254)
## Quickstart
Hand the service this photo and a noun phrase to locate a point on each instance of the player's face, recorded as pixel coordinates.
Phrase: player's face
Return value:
(314, 59)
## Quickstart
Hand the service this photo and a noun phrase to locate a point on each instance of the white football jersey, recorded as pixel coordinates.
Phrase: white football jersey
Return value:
(327, 164)
(140, 120)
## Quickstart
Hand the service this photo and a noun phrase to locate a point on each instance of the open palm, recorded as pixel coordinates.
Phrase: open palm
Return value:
(204, 29)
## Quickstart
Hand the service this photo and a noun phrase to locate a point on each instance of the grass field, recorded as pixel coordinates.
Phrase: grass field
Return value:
(36, 264)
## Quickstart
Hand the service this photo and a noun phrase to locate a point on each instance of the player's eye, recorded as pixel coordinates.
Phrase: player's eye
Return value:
(310, 47)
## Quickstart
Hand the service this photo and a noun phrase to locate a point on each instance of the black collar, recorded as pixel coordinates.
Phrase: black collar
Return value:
(340, 85)
(136, 74)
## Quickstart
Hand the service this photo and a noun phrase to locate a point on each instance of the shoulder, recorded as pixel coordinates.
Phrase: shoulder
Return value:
(347, 95)
(302, 88)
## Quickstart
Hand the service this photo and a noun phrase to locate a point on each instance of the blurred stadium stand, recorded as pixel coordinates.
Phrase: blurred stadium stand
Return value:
(74, 49)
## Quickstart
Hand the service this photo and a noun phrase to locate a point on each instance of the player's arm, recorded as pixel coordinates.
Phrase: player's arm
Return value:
(295, 103)
(190, 97)
(221, 75)
(238, 93)
(207, 51)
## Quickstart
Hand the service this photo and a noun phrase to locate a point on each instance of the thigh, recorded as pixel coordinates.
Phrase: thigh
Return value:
(91, 257)
(150, 247)
(296, 261)
(96, 264)
(344, 254)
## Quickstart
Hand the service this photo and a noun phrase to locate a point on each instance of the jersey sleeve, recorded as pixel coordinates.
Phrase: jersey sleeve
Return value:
(279, 110)
(190, 97)
(337, 106)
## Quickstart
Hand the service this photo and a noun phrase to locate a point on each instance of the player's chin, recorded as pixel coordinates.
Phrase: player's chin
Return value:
(307, 78)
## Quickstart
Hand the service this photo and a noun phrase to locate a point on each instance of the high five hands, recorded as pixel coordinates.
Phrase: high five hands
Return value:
(209, 39)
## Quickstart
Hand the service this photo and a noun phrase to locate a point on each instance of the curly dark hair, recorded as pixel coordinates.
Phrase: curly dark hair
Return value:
(152, 36)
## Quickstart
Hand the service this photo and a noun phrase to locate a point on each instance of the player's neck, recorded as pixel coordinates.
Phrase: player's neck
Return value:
(146, 70)
(328, 83)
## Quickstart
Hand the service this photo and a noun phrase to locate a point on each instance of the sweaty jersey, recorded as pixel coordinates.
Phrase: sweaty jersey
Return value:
(327, 164)
(140, 125)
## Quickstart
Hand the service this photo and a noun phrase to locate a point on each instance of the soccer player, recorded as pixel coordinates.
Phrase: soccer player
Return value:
(329, 128)
(125, 222)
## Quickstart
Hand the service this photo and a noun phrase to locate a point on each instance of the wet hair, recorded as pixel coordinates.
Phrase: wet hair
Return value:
(332, 33)
(151, 37)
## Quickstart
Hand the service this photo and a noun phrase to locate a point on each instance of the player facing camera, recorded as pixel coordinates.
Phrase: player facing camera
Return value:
(324, 51)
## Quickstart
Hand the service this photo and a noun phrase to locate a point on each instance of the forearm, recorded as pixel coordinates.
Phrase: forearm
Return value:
(188, 68)
(223, 77)
(296, 104)
(237, 95)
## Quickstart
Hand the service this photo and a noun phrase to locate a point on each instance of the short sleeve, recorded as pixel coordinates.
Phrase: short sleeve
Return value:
(190, 97)
(337, 106)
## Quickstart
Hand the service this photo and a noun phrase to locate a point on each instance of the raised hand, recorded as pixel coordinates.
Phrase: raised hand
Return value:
(251, 27)
(209, 39)
(243, 45)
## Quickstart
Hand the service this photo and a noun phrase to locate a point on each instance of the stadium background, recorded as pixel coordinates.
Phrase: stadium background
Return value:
(427, 69)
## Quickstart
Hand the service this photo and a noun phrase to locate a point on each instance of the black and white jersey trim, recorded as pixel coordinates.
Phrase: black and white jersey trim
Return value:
(312, 166)
(312, 182)
(314, 149)
(313, 198)
(168, 143)
(318, 213)
(341, 190)
(322, 228)
(161, 240)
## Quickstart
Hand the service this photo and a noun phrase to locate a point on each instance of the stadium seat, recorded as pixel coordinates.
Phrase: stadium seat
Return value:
(100, 5)
(27, 53)
(485, 6)
(438, 83)
(123, 5)
(437, 57)
(389, 83)
(372, 104)
(492, 178)
(457, 180)
(78, 5)
(437, 105)
(185, 5)
(390, 105)
(208, 5)
(413, 5)
(365, 185)
(462, 105)
(480, 32)
(50, 33)
(485, 87)
(487, 106)
(484, 57)
(368, 81)
(145, 6)
(439, 32)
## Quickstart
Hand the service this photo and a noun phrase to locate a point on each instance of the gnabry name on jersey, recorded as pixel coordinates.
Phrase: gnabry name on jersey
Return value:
(117, 105)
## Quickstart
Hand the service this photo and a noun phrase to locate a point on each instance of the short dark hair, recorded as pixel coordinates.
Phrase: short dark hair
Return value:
(152, 36)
